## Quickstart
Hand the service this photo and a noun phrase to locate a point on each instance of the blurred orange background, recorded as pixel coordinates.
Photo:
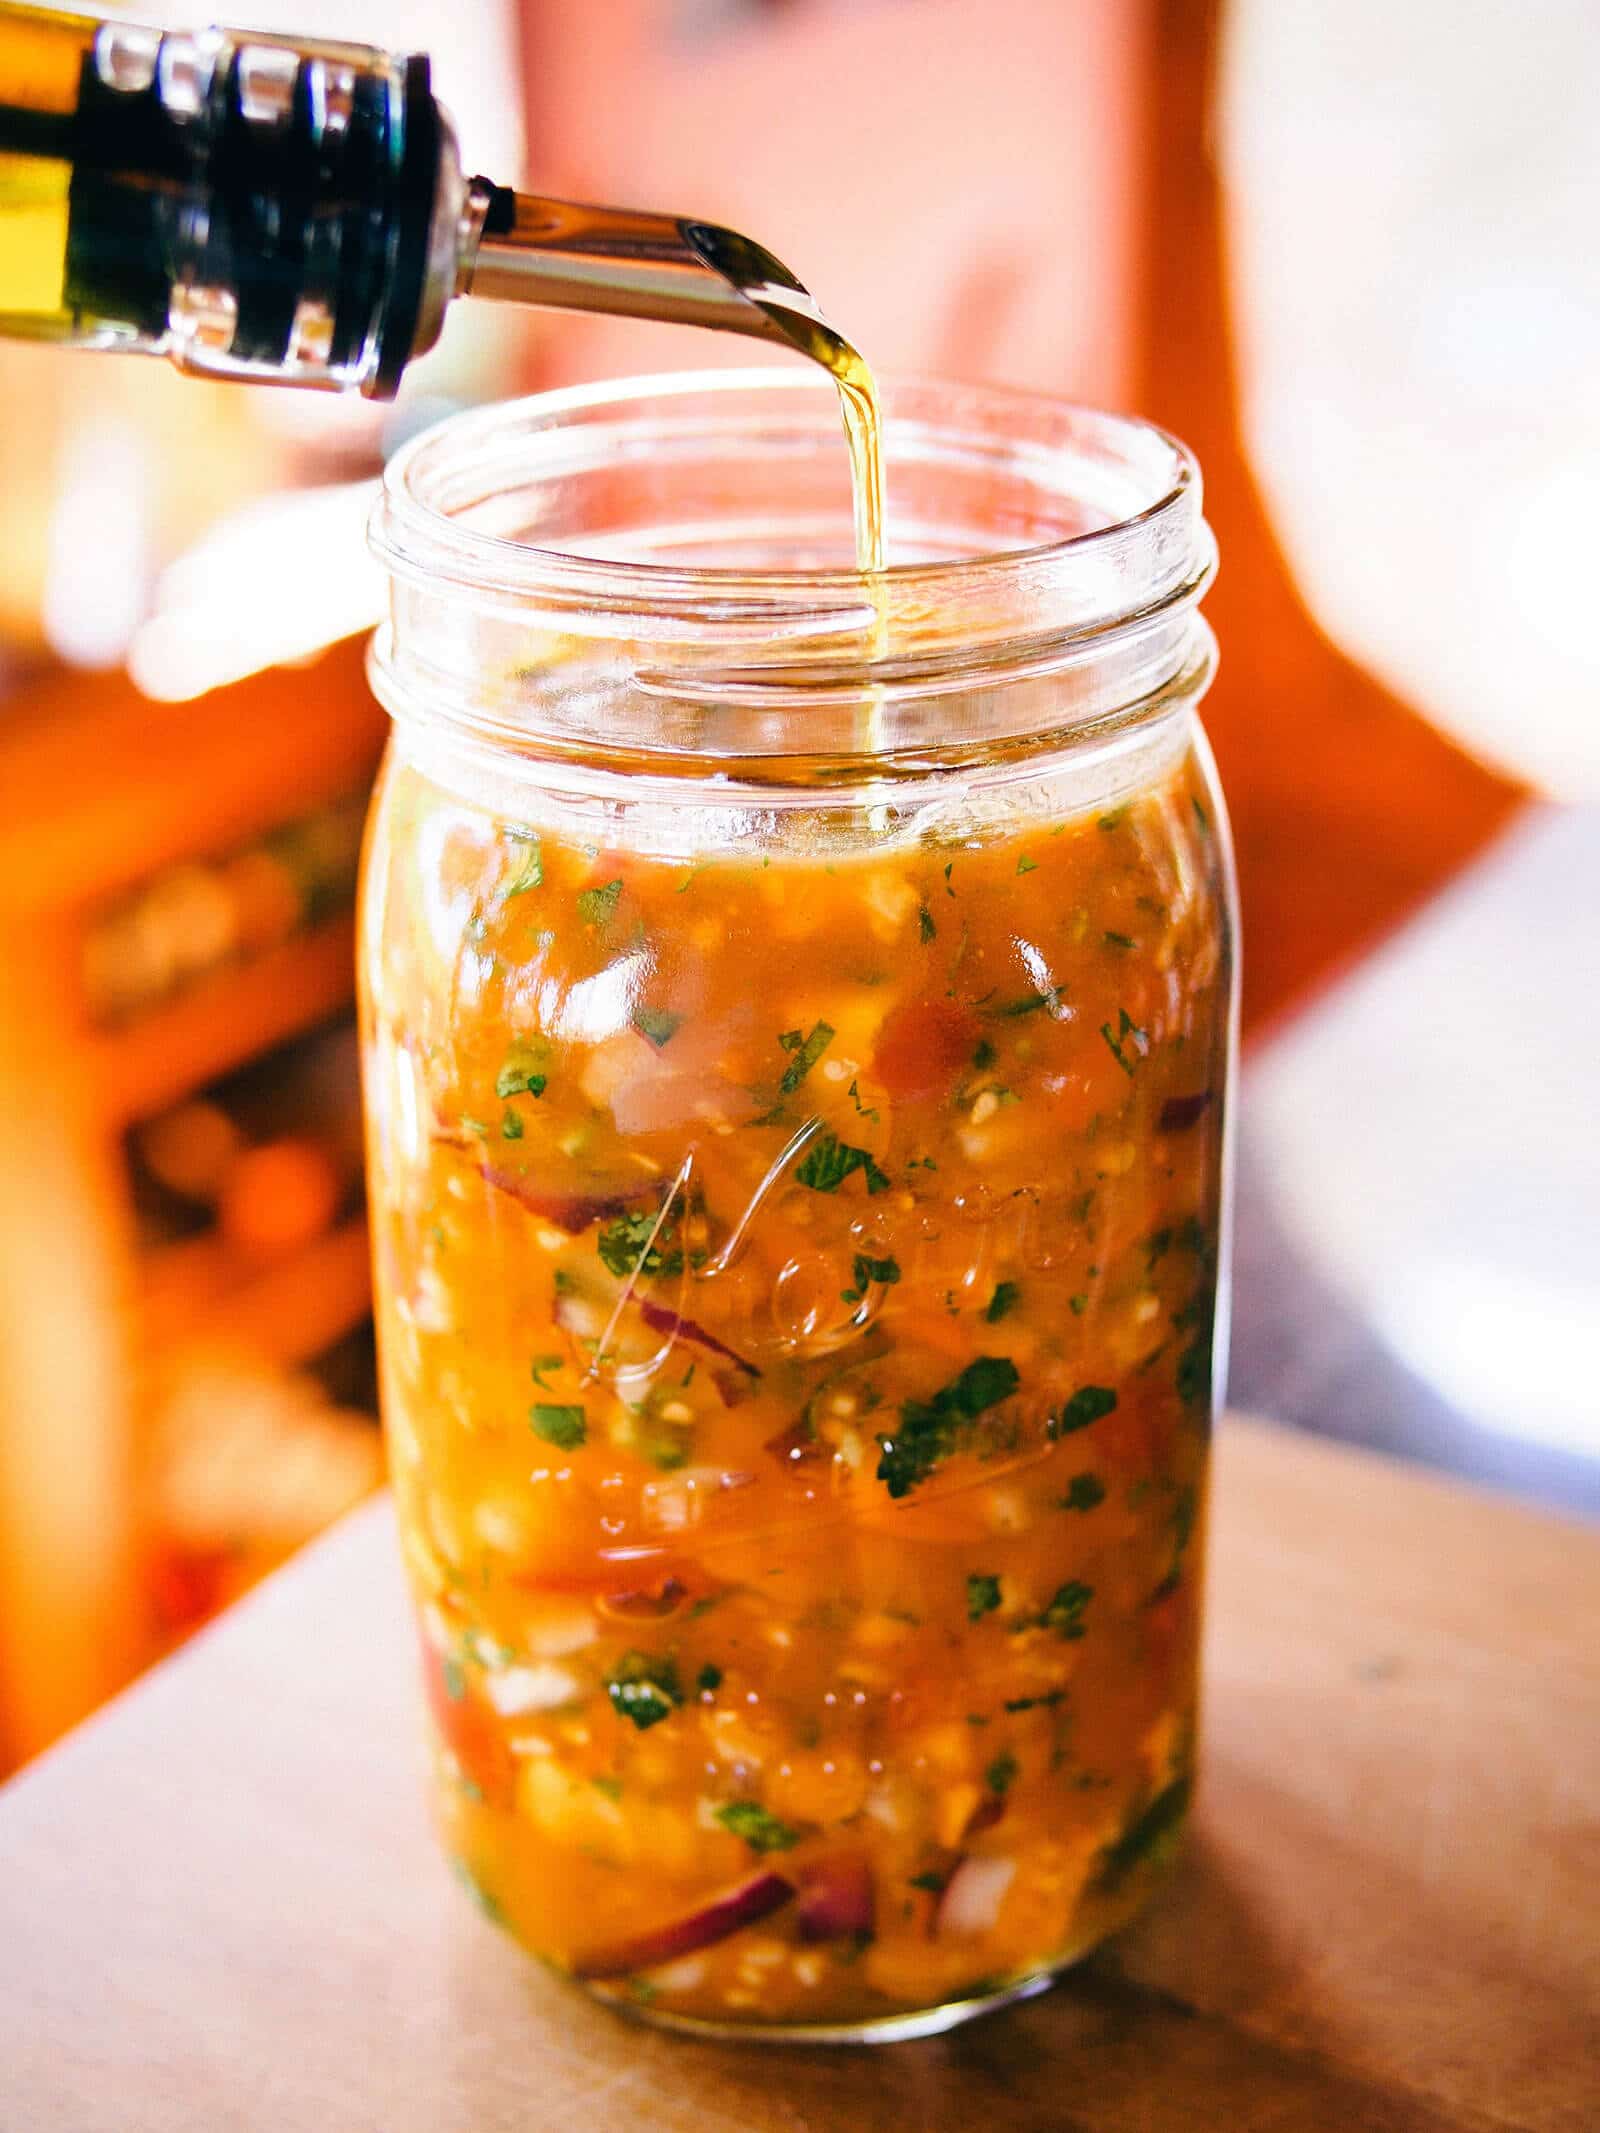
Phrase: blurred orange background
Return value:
(1141, 203)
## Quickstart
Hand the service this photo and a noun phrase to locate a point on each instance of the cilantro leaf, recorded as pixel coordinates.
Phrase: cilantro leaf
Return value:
(564, 1427)
(520, 1075)
(709, 1679)
(1025, 865)
(1129, 1037)
(829, 1161)
(1007, 1295)
(530, 875)
(929, 1430)
(542, 1363)
(511, 1127)
(596, 907)
(763, 1832)
(805, 1054)
(1066, 1609)
(867, 1270)
(1146, 1834)
(925, 922)
(644, 1688)
(1000, 1773)
(624, 1245)
(659, 1024)
(1087, 1405)
(983, 1595)
(854, 1094)
(1084, 1492)
(1030, 1004)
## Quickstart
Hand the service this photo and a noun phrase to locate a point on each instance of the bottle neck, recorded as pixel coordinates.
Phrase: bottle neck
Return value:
(258, 208)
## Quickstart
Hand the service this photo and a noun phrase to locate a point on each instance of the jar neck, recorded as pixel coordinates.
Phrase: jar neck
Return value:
(643, 577)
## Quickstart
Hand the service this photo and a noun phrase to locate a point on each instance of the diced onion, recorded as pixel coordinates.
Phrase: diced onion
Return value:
(515, 1690)
(973, 1895)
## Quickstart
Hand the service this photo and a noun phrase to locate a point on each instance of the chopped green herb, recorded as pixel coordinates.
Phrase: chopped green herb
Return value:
(510, 1127)
(1084, 1493)
(985, 1054)
(520, 1075)
(866, 1271)
(1029, 1004)
(949, 869)
(1114, 820)
(1200, 816)
(1130, 1035)
(625, 1247)
(925, 922)
(564, 1427)
(763, 1832)
(930, 1879)
(644, 1688)
(929, 1430)
(1047, 1702)
(983, 1595)
(659, 1024)
(1025, 865)
(829, 1161)
(1065, 1612)
(1078, 1304)
(531, 873)
(1194, 1364)
(1000, 1773)
(610, 1786)
(597, 907)
(542, 1363)
(454, 1677)
(1146, 1835)
(1087, 1405)
(474, 1125)
(854, 1094)
(709, 1679)
(1118, 940)
(806, 1052)
(1007, 1295)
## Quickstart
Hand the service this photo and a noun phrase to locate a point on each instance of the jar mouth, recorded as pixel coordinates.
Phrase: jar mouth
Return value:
(452, 493)
(664, 567)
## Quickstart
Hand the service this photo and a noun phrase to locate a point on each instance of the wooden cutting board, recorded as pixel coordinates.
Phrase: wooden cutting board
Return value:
(220, 1906)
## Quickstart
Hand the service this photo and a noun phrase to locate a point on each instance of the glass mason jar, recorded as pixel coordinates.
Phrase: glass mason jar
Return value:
(798, 1022)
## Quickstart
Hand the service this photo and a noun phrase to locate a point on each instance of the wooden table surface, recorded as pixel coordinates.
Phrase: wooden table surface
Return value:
(220, 1906)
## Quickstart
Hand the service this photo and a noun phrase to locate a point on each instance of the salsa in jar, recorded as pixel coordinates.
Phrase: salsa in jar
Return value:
(797, 1270)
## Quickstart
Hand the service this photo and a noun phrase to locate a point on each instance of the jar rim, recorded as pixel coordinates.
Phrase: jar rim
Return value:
(1068, 553)
(414, 534)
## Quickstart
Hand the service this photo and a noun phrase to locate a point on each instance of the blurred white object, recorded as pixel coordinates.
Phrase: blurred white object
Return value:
(1422, 1175)
(1412, 195)
(100, 544)
(273, 582)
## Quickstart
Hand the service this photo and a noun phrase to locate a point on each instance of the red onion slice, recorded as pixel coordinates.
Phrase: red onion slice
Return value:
(735, 1908)
(1179, 1113)
(837, 1897)
(661, 1320)
(572, 1211)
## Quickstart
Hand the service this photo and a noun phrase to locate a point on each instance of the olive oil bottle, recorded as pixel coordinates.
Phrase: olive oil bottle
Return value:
(295, 211)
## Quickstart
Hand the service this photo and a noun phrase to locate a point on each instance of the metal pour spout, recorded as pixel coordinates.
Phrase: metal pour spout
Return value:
(519, 248)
